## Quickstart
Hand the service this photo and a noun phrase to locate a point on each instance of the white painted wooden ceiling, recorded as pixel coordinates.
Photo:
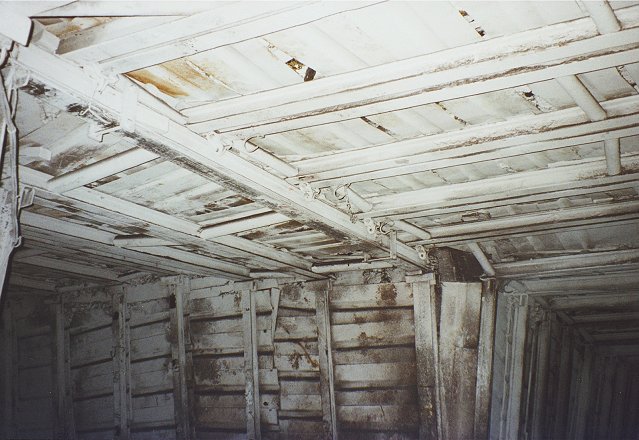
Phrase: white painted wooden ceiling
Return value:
(481, 122)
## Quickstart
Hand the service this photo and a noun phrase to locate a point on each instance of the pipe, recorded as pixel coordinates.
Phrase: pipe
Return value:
(270, 160)
(412, 229)
(603, 16)
(582, 97)
(242, 225)
(329, 268)
(613, 156)
(482, 259)
(358, 201)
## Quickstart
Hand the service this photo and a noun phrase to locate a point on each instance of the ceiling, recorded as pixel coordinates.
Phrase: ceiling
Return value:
(278, 139)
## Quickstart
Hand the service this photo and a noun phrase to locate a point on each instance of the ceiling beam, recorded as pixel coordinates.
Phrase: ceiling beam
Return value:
(578, 174)
(522, 135)
(156, 133)
(579, 261)
(527, 57)
(619, 282)
(539, 221)
(99, 170)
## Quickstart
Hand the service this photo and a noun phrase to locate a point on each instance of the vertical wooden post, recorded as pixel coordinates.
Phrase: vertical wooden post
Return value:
(178, 293)
(251, 367)
(583, 394)
(563, 385)
(621, 386)
(8, 355)
(61, 384)
(541, 376)
(515, 354)
(427, 359)
(483, 393)
(458, 345)
(121, 387)
(327, 381)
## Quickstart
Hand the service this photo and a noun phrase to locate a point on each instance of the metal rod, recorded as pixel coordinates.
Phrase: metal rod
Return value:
(412, 229)
(482, 259)
(582, 97)
(613, 156)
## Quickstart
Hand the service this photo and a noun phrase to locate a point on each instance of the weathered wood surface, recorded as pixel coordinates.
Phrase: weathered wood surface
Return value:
(458, 343)
(325, 342)
(427, 360)
(485, 352)
(251, 367)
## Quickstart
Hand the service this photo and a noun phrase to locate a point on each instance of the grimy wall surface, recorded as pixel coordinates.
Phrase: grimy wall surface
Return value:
(180, 358)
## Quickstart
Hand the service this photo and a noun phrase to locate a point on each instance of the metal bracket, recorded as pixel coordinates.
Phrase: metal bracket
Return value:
(25, 199)
(421, 252)
(220, 146)
(128, 114)
(97, 131)
(310, 193)
(393, 245)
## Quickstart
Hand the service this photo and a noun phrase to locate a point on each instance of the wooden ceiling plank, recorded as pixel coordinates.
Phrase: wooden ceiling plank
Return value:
(528, 57)
(165, 226)
(221, 26)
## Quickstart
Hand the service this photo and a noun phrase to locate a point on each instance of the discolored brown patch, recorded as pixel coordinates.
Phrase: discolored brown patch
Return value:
(387, 294)
(146, 77)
